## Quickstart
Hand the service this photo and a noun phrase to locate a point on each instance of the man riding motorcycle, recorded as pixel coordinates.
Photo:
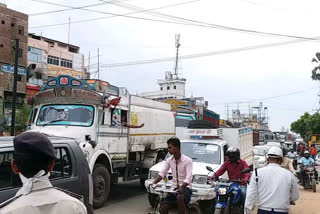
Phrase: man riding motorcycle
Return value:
(234, 165)
(306, 161)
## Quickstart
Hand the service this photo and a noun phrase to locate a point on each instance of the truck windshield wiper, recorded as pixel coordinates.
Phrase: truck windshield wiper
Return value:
(52, 121)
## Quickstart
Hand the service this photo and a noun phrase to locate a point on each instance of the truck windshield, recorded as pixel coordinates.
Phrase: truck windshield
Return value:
(70, 115)
(259, 152)
(201, 152)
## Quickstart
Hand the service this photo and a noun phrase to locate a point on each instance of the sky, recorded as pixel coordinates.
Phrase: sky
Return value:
(279, 76)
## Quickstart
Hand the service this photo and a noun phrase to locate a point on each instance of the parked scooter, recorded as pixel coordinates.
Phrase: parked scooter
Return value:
(227, 196)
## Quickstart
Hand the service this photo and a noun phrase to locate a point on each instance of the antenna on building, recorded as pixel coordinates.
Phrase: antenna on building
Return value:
(69, 30)
(177, 54)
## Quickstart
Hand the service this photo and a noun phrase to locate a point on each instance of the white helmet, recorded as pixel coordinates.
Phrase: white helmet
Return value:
(275, 152)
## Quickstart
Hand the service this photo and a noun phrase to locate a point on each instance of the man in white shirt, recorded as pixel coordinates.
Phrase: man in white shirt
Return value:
(272, 187)
(181, 168)
(33, 159)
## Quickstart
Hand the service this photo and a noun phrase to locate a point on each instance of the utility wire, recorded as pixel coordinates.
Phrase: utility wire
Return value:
(70, 7)
(127, 15)
(222, 27)
(228, 51)
(149, 11)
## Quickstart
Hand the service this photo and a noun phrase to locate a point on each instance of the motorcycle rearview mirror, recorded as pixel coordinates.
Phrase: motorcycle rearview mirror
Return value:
(209, 168)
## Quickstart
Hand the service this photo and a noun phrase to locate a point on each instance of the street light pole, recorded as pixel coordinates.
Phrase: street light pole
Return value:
(14, 97)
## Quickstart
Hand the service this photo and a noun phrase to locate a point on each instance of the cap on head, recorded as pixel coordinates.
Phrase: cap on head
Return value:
(275, 152)
(33, 143)
(306, 153)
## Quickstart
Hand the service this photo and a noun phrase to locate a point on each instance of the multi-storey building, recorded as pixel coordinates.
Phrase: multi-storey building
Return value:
(13, 25)
(50, 58)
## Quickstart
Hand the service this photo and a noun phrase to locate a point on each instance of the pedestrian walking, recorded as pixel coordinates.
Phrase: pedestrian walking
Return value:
(272, 187)
(33, 159)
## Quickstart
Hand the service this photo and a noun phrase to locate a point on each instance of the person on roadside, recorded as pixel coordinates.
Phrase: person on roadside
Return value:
(287, 163)
(181, 168)
(301, 149)
(234, 165)
(33, 159)
(313, 151)
(272, 187)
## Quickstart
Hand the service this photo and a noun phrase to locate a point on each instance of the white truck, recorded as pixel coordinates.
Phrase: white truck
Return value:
(120, 134)
(207, 147)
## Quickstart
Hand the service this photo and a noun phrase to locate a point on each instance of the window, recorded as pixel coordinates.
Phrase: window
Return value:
(7, 178)
(63, 164)
(66, 63)
(1, 45)
(53, 60)
(21, 30)
(19, 78)
(3, 22)
(38, 76)
(168, 87)
(34, 54)
(174, 87)
(12, 24)
(161, 88)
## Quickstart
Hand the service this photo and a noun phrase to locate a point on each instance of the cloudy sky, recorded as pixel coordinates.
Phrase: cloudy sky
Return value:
(276, 74)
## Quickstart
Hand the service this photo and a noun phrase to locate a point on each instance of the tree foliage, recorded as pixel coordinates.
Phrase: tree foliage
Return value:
(315, 72)
(306, 125)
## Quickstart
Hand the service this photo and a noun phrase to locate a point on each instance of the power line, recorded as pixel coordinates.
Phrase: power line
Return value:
(267, 98)
(127, 15)
(70, 7)
(183, 21)
(222, 27)
(234, 50)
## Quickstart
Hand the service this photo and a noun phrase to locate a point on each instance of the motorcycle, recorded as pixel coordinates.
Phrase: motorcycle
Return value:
(294, 161)
(228, 195)
(309, 178)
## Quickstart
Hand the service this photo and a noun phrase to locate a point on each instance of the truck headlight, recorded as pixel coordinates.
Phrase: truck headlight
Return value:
(199, 179)
(222, 191)
(153, 174)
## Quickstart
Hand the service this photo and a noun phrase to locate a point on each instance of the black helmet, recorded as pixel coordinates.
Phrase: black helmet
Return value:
(233, 154)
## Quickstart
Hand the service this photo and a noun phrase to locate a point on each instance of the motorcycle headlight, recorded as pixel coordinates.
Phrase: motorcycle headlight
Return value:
(153, 174)
(222, 191)
(199, 179)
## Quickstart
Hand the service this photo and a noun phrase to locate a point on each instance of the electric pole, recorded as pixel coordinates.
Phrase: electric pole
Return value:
(177, 54)
(14, 96)
(69, 31)
(98, 65)
(89, 65)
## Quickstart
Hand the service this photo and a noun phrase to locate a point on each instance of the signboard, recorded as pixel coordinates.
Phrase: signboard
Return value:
(176, 102)
(202, 132)
(10, 69)
(55, 71)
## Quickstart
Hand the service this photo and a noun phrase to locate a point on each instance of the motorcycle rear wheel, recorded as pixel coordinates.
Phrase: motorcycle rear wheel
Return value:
(314, 185)
(221, 211)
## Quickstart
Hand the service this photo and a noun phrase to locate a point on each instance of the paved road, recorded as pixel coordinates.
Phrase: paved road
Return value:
(125, 198)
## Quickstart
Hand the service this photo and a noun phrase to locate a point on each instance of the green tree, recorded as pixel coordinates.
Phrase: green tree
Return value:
(315, 74)
(302, 125)
(22, 116)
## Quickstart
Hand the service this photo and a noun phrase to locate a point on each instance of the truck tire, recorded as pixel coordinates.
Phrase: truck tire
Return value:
(101, 185)
(219, 211)
(152, 198)
(201, 124)
(161, 156)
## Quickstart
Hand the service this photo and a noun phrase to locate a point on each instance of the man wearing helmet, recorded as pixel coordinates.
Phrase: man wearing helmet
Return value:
(306, 161)
(272, 187)
(234, 165)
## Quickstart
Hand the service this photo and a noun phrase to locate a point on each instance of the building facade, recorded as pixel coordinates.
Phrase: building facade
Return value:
(13, 25)
(49, 58)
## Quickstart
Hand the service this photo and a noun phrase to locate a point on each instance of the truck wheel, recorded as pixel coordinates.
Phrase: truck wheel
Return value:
(152, 198)
(101, 185)
(161, 156)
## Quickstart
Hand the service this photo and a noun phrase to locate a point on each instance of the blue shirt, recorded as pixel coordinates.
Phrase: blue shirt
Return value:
(306, 162)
